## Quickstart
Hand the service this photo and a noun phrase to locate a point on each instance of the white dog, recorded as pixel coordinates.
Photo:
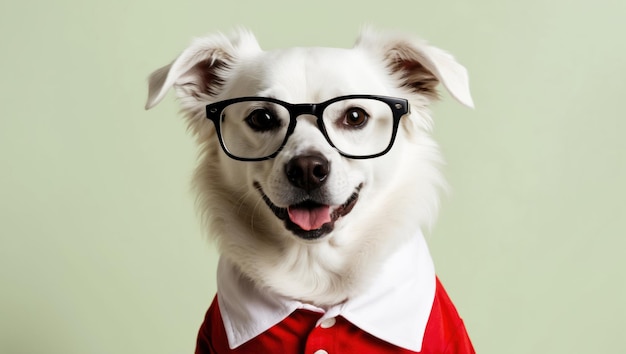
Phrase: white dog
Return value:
(317, 174)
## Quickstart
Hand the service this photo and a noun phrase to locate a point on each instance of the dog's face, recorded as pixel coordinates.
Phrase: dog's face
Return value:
(308, 186)
(311, 194)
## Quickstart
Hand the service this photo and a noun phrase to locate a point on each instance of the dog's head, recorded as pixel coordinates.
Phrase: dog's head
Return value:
(301, 151)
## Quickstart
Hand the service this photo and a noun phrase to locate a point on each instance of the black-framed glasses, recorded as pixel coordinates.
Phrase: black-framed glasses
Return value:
(357, 126)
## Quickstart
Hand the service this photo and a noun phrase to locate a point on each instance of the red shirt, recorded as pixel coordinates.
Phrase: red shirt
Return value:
(445, 334)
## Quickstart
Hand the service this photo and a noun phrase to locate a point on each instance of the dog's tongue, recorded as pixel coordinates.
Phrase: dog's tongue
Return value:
(309, 218)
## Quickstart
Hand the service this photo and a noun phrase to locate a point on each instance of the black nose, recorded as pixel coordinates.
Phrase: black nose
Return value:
(307, 171)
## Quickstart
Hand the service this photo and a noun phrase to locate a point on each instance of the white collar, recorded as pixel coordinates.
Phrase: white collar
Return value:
(395, 310)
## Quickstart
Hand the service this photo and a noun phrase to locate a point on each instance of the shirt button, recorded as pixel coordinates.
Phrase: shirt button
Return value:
(327, 323)
(321, 351)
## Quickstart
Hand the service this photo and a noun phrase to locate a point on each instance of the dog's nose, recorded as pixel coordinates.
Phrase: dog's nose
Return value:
(308, 171)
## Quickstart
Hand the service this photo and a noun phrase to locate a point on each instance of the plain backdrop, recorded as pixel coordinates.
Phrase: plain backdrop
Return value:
(101, 250)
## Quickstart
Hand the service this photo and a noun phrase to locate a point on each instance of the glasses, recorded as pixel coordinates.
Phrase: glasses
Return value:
(357, 126)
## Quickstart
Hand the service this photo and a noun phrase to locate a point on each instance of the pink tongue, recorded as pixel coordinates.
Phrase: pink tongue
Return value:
(310, 219)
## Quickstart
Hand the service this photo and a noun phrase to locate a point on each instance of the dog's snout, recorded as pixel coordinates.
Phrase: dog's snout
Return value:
(307, 171)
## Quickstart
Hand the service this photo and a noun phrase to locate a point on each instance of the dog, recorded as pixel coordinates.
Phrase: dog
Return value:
(317, 174)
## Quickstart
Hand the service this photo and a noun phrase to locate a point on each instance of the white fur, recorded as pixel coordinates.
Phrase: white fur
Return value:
(400, 189)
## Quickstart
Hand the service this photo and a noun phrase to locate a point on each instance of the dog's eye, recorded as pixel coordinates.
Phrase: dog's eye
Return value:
(355, 118)
(262, 120)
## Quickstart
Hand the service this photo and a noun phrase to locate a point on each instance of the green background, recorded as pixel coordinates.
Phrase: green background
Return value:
(101, 250)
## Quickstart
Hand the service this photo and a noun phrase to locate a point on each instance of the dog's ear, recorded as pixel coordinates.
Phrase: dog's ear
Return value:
(200, 71)
(418, 66)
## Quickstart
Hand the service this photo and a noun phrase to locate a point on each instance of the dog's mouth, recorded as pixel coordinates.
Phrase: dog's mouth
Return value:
(309, 219)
